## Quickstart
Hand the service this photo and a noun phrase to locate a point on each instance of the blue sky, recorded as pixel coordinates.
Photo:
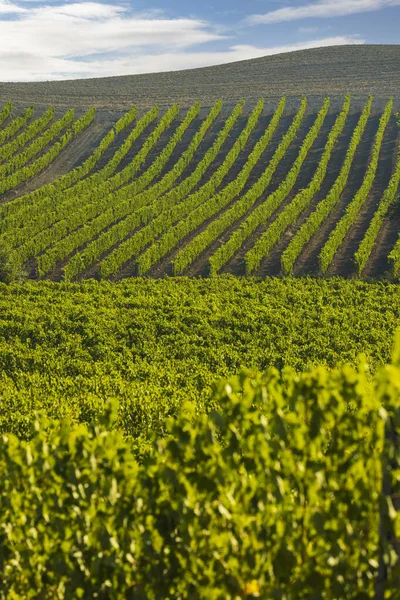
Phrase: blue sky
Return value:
(62, 39)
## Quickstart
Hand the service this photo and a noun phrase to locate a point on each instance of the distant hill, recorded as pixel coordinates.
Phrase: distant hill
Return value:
(359, 70)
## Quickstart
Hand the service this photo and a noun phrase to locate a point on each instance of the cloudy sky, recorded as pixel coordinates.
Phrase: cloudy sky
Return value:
(61, 39)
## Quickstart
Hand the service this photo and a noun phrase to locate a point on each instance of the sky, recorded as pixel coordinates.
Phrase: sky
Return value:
(61, 39)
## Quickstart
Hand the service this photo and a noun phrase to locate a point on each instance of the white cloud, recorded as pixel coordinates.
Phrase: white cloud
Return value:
(7, 7)
(24, 66)
(94, 39)
(322, 9)
(90, 28)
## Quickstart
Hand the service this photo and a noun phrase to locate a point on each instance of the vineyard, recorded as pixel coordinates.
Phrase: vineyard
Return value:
(67, 348)
(307, 189)
(199, 332)
(129, 470)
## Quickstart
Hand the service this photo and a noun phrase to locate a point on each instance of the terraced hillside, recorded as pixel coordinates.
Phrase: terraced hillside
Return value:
(234, 188)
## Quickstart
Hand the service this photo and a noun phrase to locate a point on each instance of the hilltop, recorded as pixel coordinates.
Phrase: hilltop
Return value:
(359, 70)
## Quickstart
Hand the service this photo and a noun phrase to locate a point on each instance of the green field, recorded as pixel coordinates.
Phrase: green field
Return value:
(69, 348)
(128, 472)
(199, 332)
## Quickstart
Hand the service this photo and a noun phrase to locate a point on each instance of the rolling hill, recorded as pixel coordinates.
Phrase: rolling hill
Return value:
(358, 70)
(280, 165)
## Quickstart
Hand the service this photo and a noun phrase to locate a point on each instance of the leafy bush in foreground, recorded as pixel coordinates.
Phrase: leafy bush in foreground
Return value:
(277, 494)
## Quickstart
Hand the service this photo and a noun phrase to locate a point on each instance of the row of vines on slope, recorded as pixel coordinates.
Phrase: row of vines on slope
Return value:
(335, 239)
(170, 208)
(73, 198)
(168, 205)
(325, 206)
(5, 112)
(7, 150)
(130, 205)
(301, 201)
(39, 201)
(243, 204)
(79, 214)
(37, 145)
(95, 217)
(203, 207)
(17, 124)
(265, 210)
(234, 243)
(27, 172)
(365, 248)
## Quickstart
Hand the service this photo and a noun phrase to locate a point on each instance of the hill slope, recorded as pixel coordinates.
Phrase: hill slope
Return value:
(296, 186)
(359, 70)
(206, 190)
